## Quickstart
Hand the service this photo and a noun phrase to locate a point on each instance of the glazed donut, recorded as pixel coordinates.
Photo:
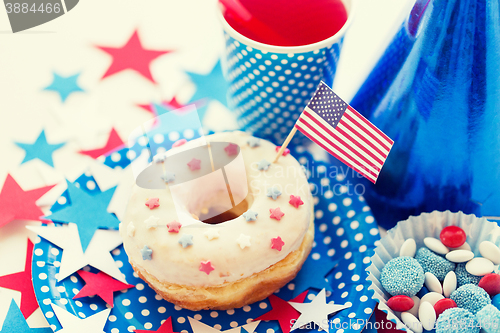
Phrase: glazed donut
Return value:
(260, 246)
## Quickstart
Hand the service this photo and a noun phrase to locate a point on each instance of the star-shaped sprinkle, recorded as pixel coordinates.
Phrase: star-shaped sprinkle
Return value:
(282, 311)
(114, 143)
(153, 203)
(285, 152)
(17, 204)
(131, 229)
(194, 164)
(100, 284)
(179, 143)
(276, 213)
(166, 327)
(199, 327)
(321, 267)
(15, 322)
(89, 212)
(147, 253)
(277, 243)
(263, 165)
(64, 85)
(205, 87)
(186, 240)
(231, 149)
(174, 226)
(73, 324)
(317, 311)
(159, 158)
(168, 177)
(243, 241)
(22, 282)
(212, 233)
(273, 192)
(295, 201)
(206, 266)
(133, 56)
(253, 142)
(152, 222)
(250, 215)
(40, 149)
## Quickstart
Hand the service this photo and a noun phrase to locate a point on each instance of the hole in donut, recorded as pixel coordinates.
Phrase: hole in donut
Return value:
(213, 214)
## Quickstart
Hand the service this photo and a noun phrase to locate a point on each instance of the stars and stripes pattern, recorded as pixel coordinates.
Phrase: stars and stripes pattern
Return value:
(344, 133)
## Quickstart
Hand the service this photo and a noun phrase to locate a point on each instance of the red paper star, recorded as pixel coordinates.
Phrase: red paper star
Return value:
(132, 56)
(100, 284)
(206, 266)
(179, 143)
(166, 327)
(231, 149)
(285, 152)
(153, 203)
(295, 201)
(276, 213)
(174, 226)
(277, 243)
(283, 312)
(22, 282)
(194, 164)
(114, 142)
(17, 204)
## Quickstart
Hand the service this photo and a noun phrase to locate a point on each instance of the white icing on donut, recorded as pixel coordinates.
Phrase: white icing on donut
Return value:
(237, 248)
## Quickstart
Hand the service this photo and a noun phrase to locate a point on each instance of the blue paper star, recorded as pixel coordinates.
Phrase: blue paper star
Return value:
(147, 253)
(212, 85)
(64, 85)
(168, 177)
(250, 215)
(186, 240)
(39, 149)
(253, 142)
(263, 165)
(273, 192)
(15, 322)
(89, 212)
(305, 280)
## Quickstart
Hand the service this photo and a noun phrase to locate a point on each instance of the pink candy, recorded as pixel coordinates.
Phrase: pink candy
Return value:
(444, 304)
(491, 284)
(400, 303)
(453, 236)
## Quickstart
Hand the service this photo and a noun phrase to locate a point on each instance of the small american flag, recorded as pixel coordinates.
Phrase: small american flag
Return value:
(344, 133)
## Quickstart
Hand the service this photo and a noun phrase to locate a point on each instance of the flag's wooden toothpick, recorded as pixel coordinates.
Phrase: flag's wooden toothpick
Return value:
(285, 144)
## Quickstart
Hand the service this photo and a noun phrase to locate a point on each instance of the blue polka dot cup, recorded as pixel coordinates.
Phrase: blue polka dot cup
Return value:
(270, 85)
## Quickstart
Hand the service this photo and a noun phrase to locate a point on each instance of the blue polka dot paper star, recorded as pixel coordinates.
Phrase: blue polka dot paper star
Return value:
(186, 240)
(40, 149)
(211, 86)
(15, 322)
(64, 85)
(88, 212)
(305, 280)
(147, 253)
(273, 192)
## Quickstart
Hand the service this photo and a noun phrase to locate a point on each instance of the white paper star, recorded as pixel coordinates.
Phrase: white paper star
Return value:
(151, 222)
(73, 324)
(317, 311)
(199, 327)
(73, 258)
(211, 233)
(244, 241)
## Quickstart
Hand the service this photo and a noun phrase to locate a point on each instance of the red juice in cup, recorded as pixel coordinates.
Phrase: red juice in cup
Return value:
(289, 22)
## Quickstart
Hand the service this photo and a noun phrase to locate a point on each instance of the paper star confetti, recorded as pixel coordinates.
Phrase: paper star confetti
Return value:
(277, 244)
(276, 213)
(88, 212)
(100, 284)
(317, 312)
(186, 240)
(73, 258)
(285, 152)
(321, 267)
(17, 204)
(282, 311)
(40, 149)
(166, 327)
(205, 87)
(113, 143)
(273, 192)
(174, 226)
(263, 165)
(199, 327)
(253, 142)
(151, 222)
(295, 201)
(243, 241)
(194, 164)
(73, 324)
(15, 322)
(231, 149)
(147, 253)
(211, 233)
(22, 282)
(153, 203)
(206, 266)
(250, 215)
(133, 56)
(64, 85)
(168, 177)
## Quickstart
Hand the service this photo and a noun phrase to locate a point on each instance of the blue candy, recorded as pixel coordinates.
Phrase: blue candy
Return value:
(471, 297)
(464, 277)
(422, 292)
(402, 276)
(496, 301)
(433, 263)
(489, 319)
(457, 320)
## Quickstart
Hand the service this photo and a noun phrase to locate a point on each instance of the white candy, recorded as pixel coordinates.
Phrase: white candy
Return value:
(479, 266)
(460, 256)
(432, 283)
(416, 305)
(412, 322)
(427, 315)
(490, 251)
(408, 249)
(450, 283)
(431, 297)
(435, 245)
(465, 246)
